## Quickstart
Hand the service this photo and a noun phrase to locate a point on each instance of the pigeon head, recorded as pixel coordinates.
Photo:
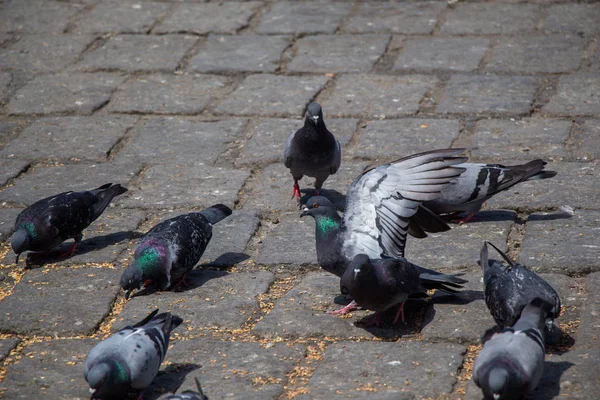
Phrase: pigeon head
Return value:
(360, 264)
(317, 206)
(314, 114)
(108, 380)
(502, 383)
(20, 241)
(149, 267)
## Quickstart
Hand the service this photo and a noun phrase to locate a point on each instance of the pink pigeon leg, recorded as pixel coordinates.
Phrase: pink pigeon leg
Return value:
(399, 313)
(69, 252)
(345, 310)
(296, 191)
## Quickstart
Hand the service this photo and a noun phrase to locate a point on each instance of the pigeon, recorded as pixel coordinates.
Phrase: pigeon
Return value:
(479, 182)
(189, 394)
(511, 363)
(508, 289)
(48, 222)
(312, 150)
(171, 249)
(129, 359)
(381, 284)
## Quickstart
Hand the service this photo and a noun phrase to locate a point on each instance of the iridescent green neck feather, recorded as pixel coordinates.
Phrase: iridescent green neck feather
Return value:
(30, 228)
(149, 260)
(327, 224)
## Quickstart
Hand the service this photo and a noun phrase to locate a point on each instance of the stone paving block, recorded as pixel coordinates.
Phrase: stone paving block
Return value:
(85, 296)
(339, 53)
(230, 238)
(377, 96)
(5, 79)
(272, 95)
(268, 137)
(425, 370)
(454, 54)
(215, 299)
(523, 139)
(488, 94)
(391, 140)
(121, 17)
(555, 243)
(588, 334)
(7, 129)
(573, 18)
(47, 181)
(252, 53)
(44, 53)
(166, 94)
(10, 169)
(165, 186)
(8, 216)
(585, 145)
(491, 18)
(206, 18)
(5, 38)
(36, 16)
(304, 17)
(408, 18)
(135, 53)
(82, 138)
(53, 369)
(575, 95)
(6, 345)
(79, 93)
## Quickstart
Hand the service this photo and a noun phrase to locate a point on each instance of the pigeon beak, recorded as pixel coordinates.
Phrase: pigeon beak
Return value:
(17, 260)
(304, 212)
(496, 396)
(315, 119)
(356, 272)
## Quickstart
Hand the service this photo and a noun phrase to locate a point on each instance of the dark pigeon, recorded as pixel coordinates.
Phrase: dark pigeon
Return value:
(312, 150)
(511, 363)
(130, 359)
(508, 289)
(48, 222)
(189, 394)
(479, 182)
(171, 249)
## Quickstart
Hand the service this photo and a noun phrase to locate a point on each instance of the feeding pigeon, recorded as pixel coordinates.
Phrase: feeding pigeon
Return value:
(511, 363)
(171, 249)
(479, 182)
(189, 394)
(508, 289)
(48, 222)
(312, 150)
(129, 359)
(381, 284)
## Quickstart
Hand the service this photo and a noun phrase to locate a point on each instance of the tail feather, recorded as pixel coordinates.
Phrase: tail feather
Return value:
(508, 260)
(216, 213)
(105, 194)
(147, 319)
(167, 321)
(435, 280)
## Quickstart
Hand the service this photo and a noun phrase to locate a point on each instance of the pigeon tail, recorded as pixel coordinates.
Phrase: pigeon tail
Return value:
(169, 322)
(105, 194)
(534, 170)
(508, 260)
(216, 213)
(435, 280)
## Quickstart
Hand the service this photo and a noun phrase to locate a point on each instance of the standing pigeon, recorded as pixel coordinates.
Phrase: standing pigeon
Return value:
(189, 394)
(508, 289)
(381, 284)
(171, 249)
(48, 222)
(479, 182)
(511, 363)
(129, 359)
(312, 150)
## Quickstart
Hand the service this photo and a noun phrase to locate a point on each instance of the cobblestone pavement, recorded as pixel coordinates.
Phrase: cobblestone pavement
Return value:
(188, 103)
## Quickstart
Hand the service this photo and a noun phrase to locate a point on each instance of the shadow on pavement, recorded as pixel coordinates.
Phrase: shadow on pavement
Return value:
(168, 380)
(549, 385)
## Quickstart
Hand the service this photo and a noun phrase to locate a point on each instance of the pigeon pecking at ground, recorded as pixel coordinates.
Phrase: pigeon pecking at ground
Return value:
(189, 394)
(48, 222)
(171, 249)
(312, 150)
(511, 363)
(129, 359)
(479, 182)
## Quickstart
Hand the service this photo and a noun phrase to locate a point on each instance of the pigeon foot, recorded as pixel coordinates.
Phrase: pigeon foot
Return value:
(296, 191)
(399, 313)
(70, 252)
(345, 310)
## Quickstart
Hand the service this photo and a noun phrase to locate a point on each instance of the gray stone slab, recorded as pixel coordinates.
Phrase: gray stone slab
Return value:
(269, 136)
(338, 53)
(391, 140)
(588, 334)
(6, 345)
(554, 243)
(43, 53)
(52, 369)
(165, 186)
(573, 18)
(402, 369)
(585, 144)
(491, 94)
(214, 299)
(121, 17)
(135, 53)
(304, 17)
(5, 79)
(430, 54)
(272, 95)
(253, 53)
(36, 16)
(81, 138)
(166, 94)
(575, 95)
(230, 238)
(42, 182)
(377, 96)
(85, 296)
(208, 17)
(79, 93)
(491, 18)
(9, 169)
(537, 54)
(409, 18)
(523, 139)
(8, 216)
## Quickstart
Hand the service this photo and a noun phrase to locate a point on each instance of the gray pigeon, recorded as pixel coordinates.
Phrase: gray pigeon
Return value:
(312, 150)
(171, 249)
(479, 182)
(511, 363)
(129, 359)
(48, 222)
(189, 394)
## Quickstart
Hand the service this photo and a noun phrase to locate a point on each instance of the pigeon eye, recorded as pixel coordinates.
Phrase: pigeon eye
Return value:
(316, 205)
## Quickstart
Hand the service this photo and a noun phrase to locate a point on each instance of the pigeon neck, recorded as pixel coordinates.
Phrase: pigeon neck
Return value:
(29, 227)
(328, 244)
(151, 257)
